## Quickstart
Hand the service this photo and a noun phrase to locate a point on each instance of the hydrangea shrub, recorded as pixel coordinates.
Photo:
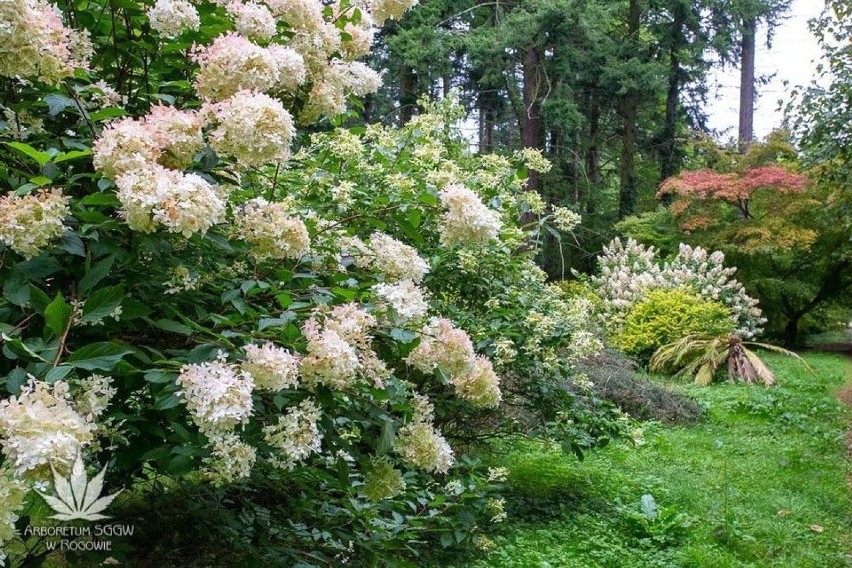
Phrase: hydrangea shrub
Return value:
(196, 289)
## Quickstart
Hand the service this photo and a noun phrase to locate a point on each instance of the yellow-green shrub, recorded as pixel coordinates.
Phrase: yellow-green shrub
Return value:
(664, 316)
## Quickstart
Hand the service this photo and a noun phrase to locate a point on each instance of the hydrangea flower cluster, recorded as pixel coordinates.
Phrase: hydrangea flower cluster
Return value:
(405, 298)
(273, 368)
(628, 271)
(30, 222)
(481, 386)
(394, 260)
(13, 491)
(443, 346)
(217, 394)
(296, 435)
(231, 458)
(41, 428)
(383, 481)
(271, 231)
(172, 17)
(420, 444)
(467, 220)
(34, 42)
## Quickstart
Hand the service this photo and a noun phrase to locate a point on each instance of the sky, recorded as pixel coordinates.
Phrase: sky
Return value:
(791, 57)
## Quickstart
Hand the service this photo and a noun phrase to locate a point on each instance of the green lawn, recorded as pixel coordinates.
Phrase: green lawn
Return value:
(763, 482)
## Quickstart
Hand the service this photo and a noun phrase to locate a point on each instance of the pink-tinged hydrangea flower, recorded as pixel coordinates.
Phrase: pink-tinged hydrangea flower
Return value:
(172, 17)
(421, 445)
(253, 128)
(178, 134)
(273, 368)
(126, 144)
(481, 386)
(292, 72)
(324, 100)
(362, 35)
(271, 231)
(404, 297)
(393, 259)
(35, 44)
(390, 9)
(330, 360)
(231, 64)
(217, 394)
(443, 346)
(296, 436)
(351, 323)
(40, 427)
(28, 223)
(467, 220)
(182, 203)
(252, 20)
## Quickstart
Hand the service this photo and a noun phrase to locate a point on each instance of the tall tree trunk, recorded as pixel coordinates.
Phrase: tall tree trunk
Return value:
(593, 156)
(531, 119)
(407, 93)
(669, 153)
(447, 84)
(629, 112)
(746, 126)
(487, 118)
(791, 331)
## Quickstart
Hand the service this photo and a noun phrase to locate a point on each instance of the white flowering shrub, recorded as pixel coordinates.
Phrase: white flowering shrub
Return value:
(311, 327)
(628, 271)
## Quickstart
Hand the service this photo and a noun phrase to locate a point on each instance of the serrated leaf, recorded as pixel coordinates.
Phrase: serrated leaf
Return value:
(101, 303)
(98, 356)
(57, 315)
(96, 274)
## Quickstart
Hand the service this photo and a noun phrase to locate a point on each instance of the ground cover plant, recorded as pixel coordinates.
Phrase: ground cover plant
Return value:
(762, 482)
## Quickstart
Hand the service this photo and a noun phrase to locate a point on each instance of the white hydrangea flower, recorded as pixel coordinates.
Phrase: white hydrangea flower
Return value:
(443, 346)
(390, 9)
(421, 445)
(273, 368)
(28, 223)
(183, 203)
(97, 393)
(231, 459)
(40, 427)
(467, 220)
(232, 63)
(354, 77)
(178, 134)
(481, 386)
(172, 17)
(565, 219)
(296, 435)
(292, 72)
(406, 299)
(125, 145)
(217, 394)
(253, 128)
(252, 20)
(330, 360)
(271, 231)
(395, 260)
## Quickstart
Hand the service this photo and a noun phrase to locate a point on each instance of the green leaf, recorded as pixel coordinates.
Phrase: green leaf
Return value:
(96, 274)
(387, 438)
(173, 326)
(101, 303)
(56, 103)
(41, 158)
(166, 401)
(57, 315)
(98, 356)
(57, 373)
(72, 244)
(105, 199)
(14, 380)
(72, 155)
(109, 112)
(38, 299)
(158, 377)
